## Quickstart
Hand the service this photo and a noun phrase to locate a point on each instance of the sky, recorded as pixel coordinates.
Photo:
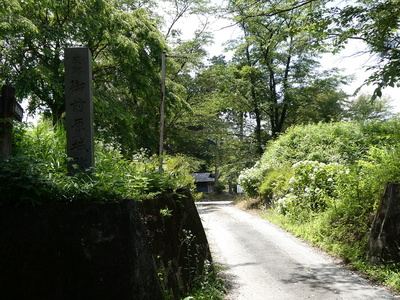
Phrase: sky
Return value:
(352, 63)
(349, 60)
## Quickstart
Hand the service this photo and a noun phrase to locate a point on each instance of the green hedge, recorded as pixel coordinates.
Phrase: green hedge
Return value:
(324, 181)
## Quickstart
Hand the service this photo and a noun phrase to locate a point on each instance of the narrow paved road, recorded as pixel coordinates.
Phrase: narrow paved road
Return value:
(265, 262)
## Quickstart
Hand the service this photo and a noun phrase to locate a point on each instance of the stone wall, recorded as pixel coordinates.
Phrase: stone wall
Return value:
(98, 251)
(178, 241)
(384, 239)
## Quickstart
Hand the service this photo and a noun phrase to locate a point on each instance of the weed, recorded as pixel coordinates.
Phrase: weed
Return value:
(166, 212)
(208, 285)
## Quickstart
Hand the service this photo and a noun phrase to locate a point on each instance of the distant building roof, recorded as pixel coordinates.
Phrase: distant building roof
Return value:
(203, 177)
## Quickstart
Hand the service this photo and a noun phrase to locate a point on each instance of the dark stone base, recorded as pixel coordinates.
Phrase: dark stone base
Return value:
(178, 241)
(384, 240)
(98, 251)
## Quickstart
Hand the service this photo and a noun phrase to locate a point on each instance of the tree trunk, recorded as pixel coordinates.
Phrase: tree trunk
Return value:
(256, 108)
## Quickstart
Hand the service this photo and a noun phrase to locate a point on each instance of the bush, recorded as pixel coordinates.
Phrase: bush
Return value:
(250, 179)
(343, 142)
(37, 172)
(219, 188)
(22, 182)
(324, 181)
(275, 183)
(312, 187)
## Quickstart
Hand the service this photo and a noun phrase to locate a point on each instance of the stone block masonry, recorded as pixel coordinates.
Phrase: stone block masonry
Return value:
(126, 250)
(76, 251)
(384, 239)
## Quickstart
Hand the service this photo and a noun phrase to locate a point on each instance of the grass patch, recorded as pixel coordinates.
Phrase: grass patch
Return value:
(209, 285)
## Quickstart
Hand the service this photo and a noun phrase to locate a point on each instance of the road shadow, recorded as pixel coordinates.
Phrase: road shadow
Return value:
(329, 277)
(230, 280)
(210, 207)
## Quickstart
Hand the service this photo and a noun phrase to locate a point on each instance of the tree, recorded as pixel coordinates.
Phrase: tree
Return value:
(126, 47)
(177, 10)
(319, 101)
(378, 24)
(278, 60)
(364, 107)
(215, 128)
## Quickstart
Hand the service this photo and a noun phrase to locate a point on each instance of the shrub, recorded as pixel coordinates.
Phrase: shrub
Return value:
(251, 179)
(343, 142)
(312, 187)
(275, 183)
(37, 172)
(22, 182)
(325, 181)
(219, 188)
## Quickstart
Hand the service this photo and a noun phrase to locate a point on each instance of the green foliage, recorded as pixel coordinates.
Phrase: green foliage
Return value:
(377, 24)
(365, 107)
(325, 181)
(44, 143)
(37, 172)
(343, 142)
(250, 179)
(126, 48)
(165, 212)
(22, 182)
(179, 169)
(274, 184)
(219, 188)
(311, 188)
(207, 285)
(388, 274)
(277, 66)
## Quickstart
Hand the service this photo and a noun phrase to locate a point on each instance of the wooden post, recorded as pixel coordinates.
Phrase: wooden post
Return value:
(161, 145)
(162, 107)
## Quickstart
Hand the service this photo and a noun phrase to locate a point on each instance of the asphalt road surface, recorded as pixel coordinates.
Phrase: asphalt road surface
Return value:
(264, 262)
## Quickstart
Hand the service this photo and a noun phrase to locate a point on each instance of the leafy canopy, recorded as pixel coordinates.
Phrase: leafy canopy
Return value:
(126, 47)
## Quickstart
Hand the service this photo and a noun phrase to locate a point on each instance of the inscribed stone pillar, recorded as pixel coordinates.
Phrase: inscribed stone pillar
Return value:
(79, 109)
(6, 108)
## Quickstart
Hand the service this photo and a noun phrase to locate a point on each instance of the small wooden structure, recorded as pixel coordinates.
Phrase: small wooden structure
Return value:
(204, 182)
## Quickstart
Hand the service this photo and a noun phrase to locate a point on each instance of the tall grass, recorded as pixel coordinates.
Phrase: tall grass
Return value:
(37, 171)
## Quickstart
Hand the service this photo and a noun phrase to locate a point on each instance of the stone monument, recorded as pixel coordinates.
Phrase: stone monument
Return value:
(9, 110)
(79, 109)
(384, 239)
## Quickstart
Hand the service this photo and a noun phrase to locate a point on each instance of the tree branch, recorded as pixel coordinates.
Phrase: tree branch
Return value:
(279, 11)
